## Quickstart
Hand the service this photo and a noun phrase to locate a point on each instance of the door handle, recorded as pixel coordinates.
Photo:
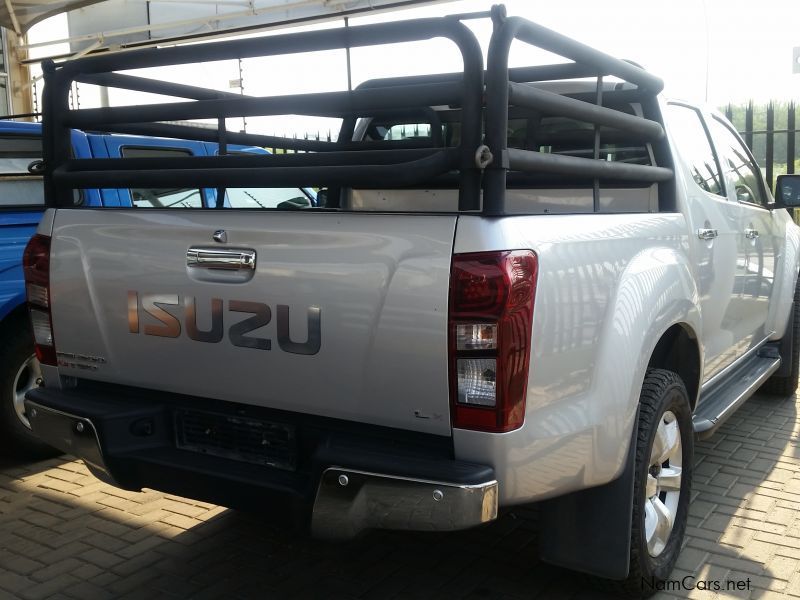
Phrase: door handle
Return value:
(229, 259)
(751, 234)
(707, 234)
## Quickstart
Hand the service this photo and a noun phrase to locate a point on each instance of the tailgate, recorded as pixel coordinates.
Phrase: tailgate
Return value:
(344, 315)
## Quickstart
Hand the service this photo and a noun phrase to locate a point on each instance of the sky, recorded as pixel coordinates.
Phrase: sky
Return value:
(718, 51)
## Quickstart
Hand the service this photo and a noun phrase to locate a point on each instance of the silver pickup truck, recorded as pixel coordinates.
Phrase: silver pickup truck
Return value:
(521, 285)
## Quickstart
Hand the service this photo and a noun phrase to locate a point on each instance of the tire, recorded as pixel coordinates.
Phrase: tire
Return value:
(18, 373)
(786, 386)
(664, 414)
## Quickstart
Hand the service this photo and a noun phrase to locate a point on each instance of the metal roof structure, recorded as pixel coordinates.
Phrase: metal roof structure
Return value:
(20, 15)
(112, 25)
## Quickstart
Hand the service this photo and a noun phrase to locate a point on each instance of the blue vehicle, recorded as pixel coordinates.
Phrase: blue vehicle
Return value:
(21, 207)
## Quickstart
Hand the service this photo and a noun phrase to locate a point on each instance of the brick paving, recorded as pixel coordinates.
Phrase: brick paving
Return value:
(64, 535)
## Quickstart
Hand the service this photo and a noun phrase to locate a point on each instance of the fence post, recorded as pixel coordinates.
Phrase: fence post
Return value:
(748, 125)
(770, 142)
(791, 134)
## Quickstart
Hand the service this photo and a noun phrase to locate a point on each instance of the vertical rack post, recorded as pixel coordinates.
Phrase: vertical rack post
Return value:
(497, 83)
(56, 137)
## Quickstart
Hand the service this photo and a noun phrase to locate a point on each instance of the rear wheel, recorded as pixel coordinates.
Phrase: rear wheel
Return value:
(19, 372)
(662, 482)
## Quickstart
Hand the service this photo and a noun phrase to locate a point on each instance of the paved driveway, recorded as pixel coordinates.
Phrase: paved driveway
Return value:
(63, 534)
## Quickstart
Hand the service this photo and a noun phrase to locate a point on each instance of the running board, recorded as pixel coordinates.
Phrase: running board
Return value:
(721, 402)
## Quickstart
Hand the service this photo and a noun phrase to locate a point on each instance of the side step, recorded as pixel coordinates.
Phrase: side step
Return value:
(714, 407)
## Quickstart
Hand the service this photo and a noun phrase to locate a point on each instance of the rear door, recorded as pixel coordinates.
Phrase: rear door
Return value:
(343, 315)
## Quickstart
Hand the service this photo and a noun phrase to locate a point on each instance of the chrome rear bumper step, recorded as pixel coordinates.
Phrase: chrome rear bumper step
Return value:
(349, 502)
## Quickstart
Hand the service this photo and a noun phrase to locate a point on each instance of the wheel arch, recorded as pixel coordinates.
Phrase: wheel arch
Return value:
(678, 350)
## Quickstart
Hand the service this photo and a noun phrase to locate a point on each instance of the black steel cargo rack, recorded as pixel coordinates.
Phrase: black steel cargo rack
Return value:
(480, 162)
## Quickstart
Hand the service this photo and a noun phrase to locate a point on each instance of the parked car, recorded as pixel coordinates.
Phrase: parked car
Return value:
(540, 293)
(21, 208)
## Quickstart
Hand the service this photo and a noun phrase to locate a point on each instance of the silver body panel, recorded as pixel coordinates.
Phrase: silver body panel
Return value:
(380, 284)
(608, 287)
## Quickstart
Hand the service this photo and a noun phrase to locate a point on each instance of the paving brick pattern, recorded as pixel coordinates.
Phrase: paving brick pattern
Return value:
(64, 535)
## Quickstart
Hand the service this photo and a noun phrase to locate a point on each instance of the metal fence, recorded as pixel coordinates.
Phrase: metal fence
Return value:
(315, 137)
(770, 131)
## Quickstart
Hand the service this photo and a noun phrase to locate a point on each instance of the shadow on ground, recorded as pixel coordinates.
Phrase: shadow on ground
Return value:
(61, 532)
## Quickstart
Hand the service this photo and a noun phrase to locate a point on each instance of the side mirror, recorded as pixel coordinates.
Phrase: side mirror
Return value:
(322, 197)
(787, 191)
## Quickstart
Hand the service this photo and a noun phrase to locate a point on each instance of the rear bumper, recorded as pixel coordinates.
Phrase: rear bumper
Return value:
(345, 480)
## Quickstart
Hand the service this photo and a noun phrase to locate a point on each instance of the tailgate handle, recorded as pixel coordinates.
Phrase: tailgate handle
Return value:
(229, 259)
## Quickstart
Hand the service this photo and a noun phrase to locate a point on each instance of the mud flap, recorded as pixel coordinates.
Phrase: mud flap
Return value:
(785, 348)
(590, 530)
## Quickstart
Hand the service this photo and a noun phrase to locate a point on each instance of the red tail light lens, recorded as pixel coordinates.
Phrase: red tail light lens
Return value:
(36, 267)
(491, 314)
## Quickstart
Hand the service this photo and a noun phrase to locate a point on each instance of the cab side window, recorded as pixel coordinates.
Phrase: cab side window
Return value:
(743, 172)
(20, 188)
(690, 135)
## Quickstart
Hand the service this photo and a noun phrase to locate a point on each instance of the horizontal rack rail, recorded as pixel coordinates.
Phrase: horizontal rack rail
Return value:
(481, 102)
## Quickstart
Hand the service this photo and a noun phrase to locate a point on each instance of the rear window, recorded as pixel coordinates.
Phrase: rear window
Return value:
(553, 135)
(162, 197)
(18, 186)
(568, 137)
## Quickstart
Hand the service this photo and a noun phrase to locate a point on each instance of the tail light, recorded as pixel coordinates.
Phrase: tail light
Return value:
(491, 314)
(36, 266)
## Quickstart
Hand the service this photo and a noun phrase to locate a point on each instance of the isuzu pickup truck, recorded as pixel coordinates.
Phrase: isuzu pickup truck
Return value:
(525, 285)
(21, 207)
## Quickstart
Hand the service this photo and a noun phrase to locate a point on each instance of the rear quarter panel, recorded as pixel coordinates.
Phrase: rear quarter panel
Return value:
(607, 289)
